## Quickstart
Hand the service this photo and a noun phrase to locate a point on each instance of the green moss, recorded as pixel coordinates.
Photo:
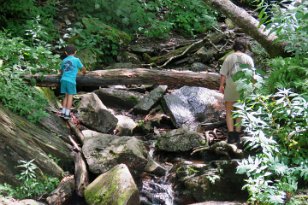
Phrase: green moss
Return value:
(134, 100)
(107, 192)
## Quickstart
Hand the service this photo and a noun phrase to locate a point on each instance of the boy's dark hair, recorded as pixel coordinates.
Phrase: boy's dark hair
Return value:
(70, 49)
(240, 45)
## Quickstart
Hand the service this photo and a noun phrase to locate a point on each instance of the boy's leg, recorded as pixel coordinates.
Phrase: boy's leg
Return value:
(63, 90)
(71, 90)
(229, 119)
(64, 104)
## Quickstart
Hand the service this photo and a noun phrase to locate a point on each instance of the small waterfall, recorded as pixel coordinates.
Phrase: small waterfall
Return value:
(156, 190)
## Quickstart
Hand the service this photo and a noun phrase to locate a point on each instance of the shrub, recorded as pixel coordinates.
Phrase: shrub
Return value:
(277, 129)
(19, 59)
(97, 42)
(31, 185)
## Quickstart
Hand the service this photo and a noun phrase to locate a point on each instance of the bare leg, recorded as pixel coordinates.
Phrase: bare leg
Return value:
(229, 119)
(64, 103)
(69, 101)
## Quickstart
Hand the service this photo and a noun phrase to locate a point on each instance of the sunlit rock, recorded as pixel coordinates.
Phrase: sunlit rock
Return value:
(95, 115)
(189, 106)
(116, 186)
(125, 126)
(103, 151)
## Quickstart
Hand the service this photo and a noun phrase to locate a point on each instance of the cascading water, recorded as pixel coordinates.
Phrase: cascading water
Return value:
(156, 190)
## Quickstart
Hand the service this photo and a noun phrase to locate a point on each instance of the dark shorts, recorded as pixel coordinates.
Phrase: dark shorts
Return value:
(68, 88)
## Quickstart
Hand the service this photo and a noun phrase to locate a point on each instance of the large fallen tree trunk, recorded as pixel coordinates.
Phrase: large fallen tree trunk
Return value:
(249, 25)
(135, 76)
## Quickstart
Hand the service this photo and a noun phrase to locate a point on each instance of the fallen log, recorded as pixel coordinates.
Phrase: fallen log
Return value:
(250, 25)
(63, 192)
(81, 173)
(98, 78)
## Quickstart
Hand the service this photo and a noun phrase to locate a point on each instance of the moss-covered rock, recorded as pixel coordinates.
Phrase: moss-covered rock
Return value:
(115, 187)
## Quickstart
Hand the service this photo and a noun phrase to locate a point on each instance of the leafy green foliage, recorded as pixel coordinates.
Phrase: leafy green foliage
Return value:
(16, 16)
(31, 184)
(289, 72)
(126, 15)
(291, 26)
(97, 42)
(188, 17)
(154, 18)
(277, 126)
(19, 59)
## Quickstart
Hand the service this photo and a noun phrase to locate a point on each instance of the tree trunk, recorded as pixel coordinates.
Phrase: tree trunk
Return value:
(135, 76)
(249, 25)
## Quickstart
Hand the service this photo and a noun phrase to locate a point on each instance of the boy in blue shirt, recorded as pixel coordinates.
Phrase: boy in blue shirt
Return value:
(69, 70)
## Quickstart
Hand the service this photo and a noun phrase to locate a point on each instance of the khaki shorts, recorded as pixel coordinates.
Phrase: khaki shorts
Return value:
(231, 94)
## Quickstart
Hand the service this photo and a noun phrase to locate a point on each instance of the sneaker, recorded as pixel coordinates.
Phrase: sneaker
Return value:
(67, 117)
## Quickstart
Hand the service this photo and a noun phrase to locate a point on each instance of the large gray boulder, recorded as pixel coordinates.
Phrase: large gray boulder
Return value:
(95, 115)
(189, 106)
(103, 151)
(22, 140)
(114, 187)
(179, 140)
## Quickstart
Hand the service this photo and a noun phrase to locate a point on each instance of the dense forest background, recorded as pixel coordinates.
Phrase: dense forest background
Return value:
(274, 110)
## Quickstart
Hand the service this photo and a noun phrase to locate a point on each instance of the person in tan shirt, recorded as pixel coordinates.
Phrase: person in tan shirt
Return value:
(232, 64)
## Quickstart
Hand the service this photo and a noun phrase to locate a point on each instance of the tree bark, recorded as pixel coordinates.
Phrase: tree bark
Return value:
(249, 25)
(135, 76)
(63, 192)
(81, 173)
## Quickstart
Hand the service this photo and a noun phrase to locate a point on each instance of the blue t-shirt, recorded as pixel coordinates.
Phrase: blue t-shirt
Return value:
(70, 66)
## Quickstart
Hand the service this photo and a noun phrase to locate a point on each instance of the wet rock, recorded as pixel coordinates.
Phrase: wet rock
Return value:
(116, 186)
(95, 115)
(216, 181)
(189, 106)
(118, 97)
(125, 126)
(103, 151)
(179, 140)
(151, 99)
(156, 191)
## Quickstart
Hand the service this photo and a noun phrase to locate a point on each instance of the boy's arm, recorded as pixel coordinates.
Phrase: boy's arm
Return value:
(83, 70)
